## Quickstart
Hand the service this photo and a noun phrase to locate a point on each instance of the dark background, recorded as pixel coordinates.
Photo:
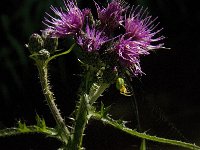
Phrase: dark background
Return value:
(167, 96)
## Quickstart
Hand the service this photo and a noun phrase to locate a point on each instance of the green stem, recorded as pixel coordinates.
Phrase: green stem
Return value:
(143, 145)
(115, 124)
(82, 117)
(60, 54)
(80, 123)
(43, 75)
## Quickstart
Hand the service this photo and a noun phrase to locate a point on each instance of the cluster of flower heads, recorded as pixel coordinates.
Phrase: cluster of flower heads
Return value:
(99, 35)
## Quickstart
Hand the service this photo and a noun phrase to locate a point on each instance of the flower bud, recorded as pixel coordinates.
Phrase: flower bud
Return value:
(35, 43)
(51, 44)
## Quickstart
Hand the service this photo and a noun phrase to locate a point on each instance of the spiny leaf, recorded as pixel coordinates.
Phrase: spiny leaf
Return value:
(143, 136)
(40, 122)
(22, 127)
(9, 132)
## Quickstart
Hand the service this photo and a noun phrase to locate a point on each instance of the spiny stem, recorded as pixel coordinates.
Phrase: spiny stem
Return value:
(114, 123)
(83, 109)
(80, 123)
(43, 75)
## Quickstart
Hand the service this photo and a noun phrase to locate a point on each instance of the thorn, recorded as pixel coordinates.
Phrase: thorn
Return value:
(70, 127)
(71, 118)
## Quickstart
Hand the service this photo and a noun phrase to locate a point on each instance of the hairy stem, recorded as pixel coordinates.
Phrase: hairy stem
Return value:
(80, 123)
(145, 136)
(49, 96)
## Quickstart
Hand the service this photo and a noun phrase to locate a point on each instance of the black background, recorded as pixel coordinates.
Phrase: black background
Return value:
(167, 96)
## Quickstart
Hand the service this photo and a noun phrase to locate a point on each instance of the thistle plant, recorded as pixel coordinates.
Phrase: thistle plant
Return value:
(109, 49)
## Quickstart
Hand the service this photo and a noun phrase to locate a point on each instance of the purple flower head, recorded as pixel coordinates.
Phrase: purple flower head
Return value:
(140, 27)
(138, 40)
(68, 22)
(92, 40)
(112, 16)
(129, 52)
